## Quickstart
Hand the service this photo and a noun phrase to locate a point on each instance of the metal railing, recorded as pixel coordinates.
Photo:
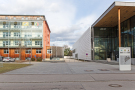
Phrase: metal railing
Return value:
(18, 18)
(22, 45)
(21, 36)
(14, 27)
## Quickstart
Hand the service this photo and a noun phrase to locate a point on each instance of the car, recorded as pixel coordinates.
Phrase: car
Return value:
(1, 58)
(8, 59)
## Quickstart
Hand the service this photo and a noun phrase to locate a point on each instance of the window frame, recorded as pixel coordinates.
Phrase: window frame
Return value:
(6, 50)
(38, 51)
(49, 51)
(16, 34)
(28, 51)
(17, 51)
(6, 42)
(28, 42)
(38, 42)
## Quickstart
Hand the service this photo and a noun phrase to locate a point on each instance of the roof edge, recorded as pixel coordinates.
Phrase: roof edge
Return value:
(112, 5)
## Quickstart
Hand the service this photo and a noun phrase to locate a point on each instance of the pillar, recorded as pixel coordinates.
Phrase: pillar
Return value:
(119, 27)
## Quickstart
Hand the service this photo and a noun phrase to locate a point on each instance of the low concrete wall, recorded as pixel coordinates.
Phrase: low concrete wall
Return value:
(68, 56)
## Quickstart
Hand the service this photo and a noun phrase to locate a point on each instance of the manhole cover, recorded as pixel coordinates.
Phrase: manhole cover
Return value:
(88, 70)
(114, 85)
(103, 69)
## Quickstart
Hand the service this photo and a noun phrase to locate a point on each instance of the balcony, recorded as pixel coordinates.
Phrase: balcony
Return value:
(20, 27)
(22, 36)
(23, 45)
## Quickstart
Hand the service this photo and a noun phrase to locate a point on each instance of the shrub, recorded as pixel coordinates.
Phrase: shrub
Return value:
(39, 59)
(32, 59)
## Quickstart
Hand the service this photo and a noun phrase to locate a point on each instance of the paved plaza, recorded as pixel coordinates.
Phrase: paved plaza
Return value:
(73, 75)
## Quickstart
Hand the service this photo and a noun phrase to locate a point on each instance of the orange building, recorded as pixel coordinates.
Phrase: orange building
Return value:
(24, 36)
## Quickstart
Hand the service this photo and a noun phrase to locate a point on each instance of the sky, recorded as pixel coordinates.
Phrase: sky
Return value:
(67, 19)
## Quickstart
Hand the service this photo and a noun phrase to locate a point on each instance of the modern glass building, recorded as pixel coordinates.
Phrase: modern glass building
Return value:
(113, 29)
(24, 36)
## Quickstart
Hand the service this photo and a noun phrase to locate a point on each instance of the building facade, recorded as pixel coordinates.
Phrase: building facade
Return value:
(24, 36)
(113, 29)
(82, 48)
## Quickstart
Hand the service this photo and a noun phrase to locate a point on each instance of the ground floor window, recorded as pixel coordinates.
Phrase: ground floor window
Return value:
(38, 50)
(49, 51)
(16, 51)
(6, 51)
(28, 51)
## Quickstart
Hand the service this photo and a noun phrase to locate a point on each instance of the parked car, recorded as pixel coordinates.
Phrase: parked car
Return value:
(1, 58)
(8, 59)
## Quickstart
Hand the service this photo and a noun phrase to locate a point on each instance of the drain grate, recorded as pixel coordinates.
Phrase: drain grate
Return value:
(88, 70)
(103, 69)
(115, 85)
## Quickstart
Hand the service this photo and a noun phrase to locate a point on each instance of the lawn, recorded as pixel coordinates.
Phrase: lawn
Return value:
(9, 67)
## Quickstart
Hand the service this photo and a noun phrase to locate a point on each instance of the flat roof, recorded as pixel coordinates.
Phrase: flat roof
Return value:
(110, 17)
(19, 15)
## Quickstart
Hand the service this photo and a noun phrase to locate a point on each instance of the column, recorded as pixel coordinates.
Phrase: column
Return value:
(119, 27)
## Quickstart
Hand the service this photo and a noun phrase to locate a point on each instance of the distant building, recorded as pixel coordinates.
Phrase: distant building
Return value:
(24, 36)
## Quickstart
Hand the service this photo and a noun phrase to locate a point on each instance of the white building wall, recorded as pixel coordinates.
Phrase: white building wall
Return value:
(83, 46)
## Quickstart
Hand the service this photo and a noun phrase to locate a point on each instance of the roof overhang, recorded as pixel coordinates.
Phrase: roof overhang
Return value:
(110, 17)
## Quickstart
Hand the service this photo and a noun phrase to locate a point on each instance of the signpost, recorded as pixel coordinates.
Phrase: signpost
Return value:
(35, 58)
(124, 58)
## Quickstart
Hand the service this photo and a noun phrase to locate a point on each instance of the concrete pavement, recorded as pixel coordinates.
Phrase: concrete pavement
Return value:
(68, 76)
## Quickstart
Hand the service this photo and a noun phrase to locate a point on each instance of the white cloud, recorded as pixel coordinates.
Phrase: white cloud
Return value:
(60, 15)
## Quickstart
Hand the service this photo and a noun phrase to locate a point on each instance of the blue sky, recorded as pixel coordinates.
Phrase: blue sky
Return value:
(67, 19)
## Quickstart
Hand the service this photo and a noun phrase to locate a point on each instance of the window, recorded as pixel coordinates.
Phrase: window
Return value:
(28, 43)
(17, 51)
(16, 42)
(22, 18)
(28, 51)
(6, 34)
(38, 50)
(28, 35)
(49, 51)
(38, 42)
(26, 18)
(37, 18)
(5, 51)
(15, 18)
(32, 23)
(16, 34)
(6, 43)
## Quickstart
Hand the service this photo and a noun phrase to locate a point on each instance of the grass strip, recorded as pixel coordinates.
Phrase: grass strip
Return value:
(9, 67)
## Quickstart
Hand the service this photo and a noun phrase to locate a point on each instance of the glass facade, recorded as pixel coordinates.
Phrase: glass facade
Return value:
(106, 40)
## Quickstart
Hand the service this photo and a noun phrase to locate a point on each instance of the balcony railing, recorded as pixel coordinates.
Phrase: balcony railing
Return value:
(18, 18)
(20, 27)
(22, 36)
(22, 45)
